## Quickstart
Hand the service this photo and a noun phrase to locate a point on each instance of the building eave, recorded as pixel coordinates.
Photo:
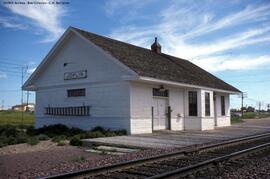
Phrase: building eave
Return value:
(173, 83)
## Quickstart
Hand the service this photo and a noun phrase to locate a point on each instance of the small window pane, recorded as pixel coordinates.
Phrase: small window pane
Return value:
(160, 92)
(207, 104)
(192, 100)
(222, 105)
(76, 92)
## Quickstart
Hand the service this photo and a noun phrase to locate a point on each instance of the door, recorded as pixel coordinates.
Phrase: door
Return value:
(160, 119)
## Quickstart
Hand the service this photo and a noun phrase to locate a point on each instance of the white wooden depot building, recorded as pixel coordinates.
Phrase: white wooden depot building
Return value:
(87, 80)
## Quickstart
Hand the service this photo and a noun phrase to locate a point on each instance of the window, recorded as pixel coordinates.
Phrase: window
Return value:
(222, 105)
(68, 111)
(76, 92)
(160, 92)
(192, 100)
(207, 104)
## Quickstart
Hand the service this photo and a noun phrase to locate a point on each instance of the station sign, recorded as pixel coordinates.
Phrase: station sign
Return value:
(75, 75)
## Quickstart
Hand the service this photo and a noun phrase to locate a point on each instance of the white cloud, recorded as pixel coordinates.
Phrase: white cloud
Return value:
(45, 16)
(249, 14)
(222, 63)
(31, 70)
(10, 23)
(179, 25)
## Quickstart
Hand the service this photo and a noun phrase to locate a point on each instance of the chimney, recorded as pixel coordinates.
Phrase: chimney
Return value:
(156, 47)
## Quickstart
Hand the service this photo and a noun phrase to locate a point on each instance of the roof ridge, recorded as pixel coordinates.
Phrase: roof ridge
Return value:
(162, 66)
(109, 38)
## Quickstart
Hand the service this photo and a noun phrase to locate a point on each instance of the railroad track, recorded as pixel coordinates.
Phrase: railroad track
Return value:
(180, 163)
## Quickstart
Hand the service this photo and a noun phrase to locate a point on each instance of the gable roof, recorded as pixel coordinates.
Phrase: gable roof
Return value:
(147, 63)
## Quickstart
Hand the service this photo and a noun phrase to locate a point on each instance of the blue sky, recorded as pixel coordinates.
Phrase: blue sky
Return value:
(228, 38)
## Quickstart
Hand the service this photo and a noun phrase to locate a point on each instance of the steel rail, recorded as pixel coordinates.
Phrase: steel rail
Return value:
(136, 162)
(209, 162)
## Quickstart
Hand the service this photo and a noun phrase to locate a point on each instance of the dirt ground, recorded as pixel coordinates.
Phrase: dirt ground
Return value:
(46, 158)
(25, 161)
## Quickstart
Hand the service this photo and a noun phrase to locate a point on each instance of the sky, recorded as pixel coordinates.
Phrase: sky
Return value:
(229, 38)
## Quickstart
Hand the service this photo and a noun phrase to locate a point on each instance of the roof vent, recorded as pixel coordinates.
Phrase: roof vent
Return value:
(156, 47)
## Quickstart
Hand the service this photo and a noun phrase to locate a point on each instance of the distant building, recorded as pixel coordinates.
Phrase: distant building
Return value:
(88, 80)
(24, 107)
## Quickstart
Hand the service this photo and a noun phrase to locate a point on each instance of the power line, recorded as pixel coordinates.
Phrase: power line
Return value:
(14, 64)
(9, 71)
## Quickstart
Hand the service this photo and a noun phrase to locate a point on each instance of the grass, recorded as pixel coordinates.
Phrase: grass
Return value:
(235, 119)
(249, 115)
(15, 118)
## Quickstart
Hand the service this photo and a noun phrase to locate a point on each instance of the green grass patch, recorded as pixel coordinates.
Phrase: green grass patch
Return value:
(253, 115)
(236, 119)
(15, 118)
(249, 115)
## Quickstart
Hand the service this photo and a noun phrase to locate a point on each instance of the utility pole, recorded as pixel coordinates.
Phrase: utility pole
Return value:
(242, 96)
(3, 104)
(27, 99)
(22, 96)
(260, 104)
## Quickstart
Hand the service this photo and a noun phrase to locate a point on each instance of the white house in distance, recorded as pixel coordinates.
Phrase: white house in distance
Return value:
(88, 80)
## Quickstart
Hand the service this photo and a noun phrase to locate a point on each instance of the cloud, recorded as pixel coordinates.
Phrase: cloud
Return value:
(222, 63)
(10, 23)
(249, 14)
(31, 70)
(180, 30)
(3, 75)
(45, 16)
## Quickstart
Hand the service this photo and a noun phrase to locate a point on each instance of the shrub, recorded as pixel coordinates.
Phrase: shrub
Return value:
(75, 141)
(2, 144)
(58, 138)
(31, 131)
(56, 130)
(21, 139)
(98, 128)
(9, 131)
(120, 132)
(94, 134)
(111, 134)
(43, 137)
(33, 141)
(10, 140)
(61, 143)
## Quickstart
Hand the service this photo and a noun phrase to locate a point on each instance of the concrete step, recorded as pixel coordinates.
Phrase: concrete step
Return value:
(116, 149)
(110, 150)
(104, 152)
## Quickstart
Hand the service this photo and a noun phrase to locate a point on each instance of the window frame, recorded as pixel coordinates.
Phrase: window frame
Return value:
(192, 103)
(222, 105)
(73, 93)
(207, 104)
(157, 92)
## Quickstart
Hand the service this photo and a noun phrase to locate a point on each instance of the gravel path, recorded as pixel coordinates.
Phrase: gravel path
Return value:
(24, 161)
(69, 166)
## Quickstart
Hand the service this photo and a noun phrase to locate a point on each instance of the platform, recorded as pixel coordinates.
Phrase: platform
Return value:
(179, 139)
